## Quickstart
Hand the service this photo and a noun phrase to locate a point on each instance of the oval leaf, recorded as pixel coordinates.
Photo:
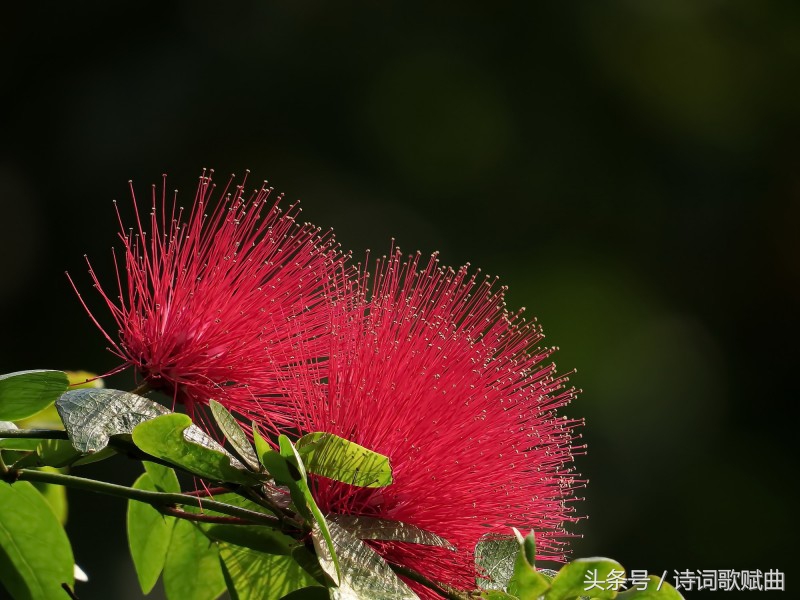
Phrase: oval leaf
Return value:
(237, 438)
(334, 457)
(254, 537)
(35, 554)
(305, 503)
(364, 573)
(585, 577)
(25, 393)
(91, 416)
(173, 438)
(371, 528)
(495, 556)
(192, 570)
(149, 534)
(254, 575)
(526, 582)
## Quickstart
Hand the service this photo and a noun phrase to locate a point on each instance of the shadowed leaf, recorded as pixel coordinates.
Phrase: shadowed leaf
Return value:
(149, 534)
(237, 438)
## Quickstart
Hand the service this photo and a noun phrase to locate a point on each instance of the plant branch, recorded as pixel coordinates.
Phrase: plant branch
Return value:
(428, 583)
(206, 492)
(171, 511)
(156, 499)
(40, 434)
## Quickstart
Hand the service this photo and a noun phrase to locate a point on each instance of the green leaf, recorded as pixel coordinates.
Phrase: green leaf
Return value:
(149, 534)
(192, 570)
(56, 495)
(92, 416)
(334, 457)
(235, 435)
(655, 590)
(35, 554)
(174, 439)
(364, 573)
(50, 453)
(162, 477)
(254, 575)
(21, 444)
(526, 583)
(575, 579)
(304, 500)
(309, 593)
(46, 418)
(258, 538)
(371, 528)
(25, 393)
(495, 556)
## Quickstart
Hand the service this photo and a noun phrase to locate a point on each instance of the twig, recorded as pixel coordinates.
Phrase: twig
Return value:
(429, 583)
(40, 434)
(171, 511)
(156, 499)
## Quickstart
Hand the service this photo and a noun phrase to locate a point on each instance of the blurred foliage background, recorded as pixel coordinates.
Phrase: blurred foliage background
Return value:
(629, 169)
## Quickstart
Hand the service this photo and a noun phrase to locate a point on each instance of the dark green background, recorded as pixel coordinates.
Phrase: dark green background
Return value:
(629, 169)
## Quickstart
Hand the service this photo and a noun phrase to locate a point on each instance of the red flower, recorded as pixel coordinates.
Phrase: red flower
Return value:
(433, 372)
(214, 304)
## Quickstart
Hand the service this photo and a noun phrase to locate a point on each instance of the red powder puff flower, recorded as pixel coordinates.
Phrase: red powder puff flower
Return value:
(212, 304)
(433, 372)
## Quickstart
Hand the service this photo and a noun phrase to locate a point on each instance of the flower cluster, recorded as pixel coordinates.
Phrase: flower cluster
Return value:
(419, 362)
(213, 304)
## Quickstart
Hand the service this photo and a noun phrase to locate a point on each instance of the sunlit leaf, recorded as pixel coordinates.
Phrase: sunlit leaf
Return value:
(55, 495)
(25, 393)
(575, 579)
(364, 573)
(304, 500)
(526, 582)
(237, 438)
(84, 380)
(371, 528)
(47, 418)
(174, 439)
(149, 534)
(192, 570)
(253, 575)
(92, 416)
(334, 457)
(35, 553)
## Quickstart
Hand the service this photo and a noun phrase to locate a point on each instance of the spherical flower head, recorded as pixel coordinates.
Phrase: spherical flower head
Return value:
(432, 371)
(214, 301)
